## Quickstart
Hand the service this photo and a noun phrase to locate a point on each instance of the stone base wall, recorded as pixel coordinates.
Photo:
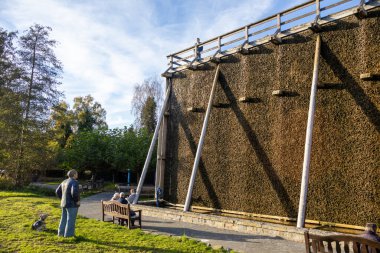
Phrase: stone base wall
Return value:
(235, 224)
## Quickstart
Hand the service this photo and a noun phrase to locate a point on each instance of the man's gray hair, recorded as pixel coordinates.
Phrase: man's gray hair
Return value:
(72, 173)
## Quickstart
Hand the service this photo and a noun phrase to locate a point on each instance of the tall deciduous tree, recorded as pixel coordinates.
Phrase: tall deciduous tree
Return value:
(10, 99)
(41, 72)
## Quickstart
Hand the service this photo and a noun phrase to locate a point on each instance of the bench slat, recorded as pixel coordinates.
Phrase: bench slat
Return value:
(329, 247)
(346, 248)
(337, 246)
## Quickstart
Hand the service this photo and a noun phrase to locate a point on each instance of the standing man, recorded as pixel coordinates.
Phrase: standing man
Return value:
(68, 192)
(198, 50)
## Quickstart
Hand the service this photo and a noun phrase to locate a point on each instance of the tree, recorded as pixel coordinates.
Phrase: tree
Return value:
(10, 110)
(86, 150)
(61, 123)
(88, 114)
(40, 74)
(142, 101)
(10, 122)
(9, 73)
(148, 115)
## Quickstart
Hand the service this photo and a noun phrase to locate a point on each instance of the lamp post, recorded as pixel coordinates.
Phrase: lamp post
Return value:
(129, 177)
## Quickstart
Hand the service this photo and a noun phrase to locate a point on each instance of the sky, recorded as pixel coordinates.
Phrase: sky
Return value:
(108, 46)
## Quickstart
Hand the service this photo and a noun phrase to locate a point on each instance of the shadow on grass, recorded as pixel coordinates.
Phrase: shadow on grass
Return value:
(124, 245)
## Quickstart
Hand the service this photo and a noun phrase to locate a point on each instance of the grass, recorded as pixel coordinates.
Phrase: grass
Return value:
(18, 210)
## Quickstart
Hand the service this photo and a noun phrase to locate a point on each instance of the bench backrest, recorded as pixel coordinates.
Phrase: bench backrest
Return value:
(114, 208)
(340, 244)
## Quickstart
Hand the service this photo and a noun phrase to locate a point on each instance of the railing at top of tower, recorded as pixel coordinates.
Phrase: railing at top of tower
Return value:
(309, 15)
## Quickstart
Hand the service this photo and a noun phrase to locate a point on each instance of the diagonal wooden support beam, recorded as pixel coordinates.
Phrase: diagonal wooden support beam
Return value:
(308, 141)
(200, 144)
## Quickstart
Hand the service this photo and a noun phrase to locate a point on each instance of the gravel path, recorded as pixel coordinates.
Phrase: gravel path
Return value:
(91, 208)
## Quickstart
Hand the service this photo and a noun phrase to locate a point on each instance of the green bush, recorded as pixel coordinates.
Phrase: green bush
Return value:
(40, 190)
(6, 183)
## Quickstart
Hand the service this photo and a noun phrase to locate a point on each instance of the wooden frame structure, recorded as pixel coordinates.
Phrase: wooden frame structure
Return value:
(310, 15)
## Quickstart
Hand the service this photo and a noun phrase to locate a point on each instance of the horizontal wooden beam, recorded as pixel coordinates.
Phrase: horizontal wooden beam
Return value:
(268, 217)
(315, 26)
(278, 93)
(369, 76)
(195, 109)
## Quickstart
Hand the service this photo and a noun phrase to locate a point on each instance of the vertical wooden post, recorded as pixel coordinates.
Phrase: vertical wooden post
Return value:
(317, 8)
(102, 211)
(161, 150)
(278, 22)
(308, 141)
(200, 144)
(151, 147)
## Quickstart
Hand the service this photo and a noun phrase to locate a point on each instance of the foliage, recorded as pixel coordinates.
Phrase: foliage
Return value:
(6, 183)
(148, 115)
(112, 150)
(88, 114)
(77, 139)
(61, 123)
(8, 69)
(92, 235)
(29, 78)
(10, 122)
(10, 101)
(87, 151)
(41, 71)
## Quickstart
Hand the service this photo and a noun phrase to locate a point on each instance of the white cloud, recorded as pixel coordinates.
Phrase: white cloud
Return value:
(108, 46)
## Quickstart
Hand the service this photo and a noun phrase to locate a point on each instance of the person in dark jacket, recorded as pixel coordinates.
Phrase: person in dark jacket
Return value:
(122, 198)
(68, 192)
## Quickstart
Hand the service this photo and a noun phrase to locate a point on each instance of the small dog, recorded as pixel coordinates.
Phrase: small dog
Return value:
(40, 225)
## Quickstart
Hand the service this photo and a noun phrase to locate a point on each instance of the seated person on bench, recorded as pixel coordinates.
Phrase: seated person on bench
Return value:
(115, 197)
(132, 196)
(123, 200)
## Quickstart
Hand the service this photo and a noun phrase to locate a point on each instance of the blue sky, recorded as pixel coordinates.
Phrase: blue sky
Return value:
(107, 46)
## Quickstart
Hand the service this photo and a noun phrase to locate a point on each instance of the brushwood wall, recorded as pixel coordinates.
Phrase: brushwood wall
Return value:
(253, 152)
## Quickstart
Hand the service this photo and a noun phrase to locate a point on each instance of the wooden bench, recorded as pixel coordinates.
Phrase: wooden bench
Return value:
(121, 211)
(340, 244)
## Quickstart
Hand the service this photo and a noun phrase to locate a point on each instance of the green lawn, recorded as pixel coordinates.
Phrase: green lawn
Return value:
(18, 210)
